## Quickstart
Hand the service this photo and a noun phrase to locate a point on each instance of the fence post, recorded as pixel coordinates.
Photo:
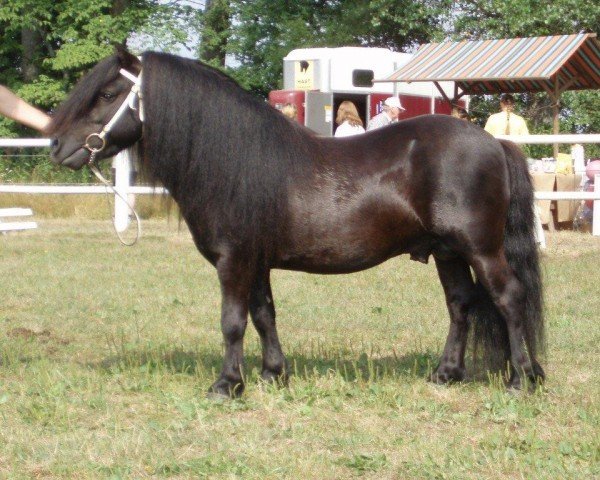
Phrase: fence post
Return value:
(122, 165)
(596, 217)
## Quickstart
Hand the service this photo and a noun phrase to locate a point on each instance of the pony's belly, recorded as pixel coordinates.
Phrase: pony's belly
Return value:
(325, 263)
(345, 227)
(345, 249)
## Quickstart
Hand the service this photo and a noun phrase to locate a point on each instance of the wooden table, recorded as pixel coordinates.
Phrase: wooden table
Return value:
(565, 209)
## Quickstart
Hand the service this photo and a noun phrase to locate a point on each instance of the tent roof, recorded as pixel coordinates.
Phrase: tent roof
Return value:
(565, 62)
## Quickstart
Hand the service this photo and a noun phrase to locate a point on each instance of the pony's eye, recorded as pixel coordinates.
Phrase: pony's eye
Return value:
(107, 96)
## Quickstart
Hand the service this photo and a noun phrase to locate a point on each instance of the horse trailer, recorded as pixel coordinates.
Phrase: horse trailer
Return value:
(317, 80)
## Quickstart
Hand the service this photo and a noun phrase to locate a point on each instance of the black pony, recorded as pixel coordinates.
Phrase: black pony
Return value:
(260, 192)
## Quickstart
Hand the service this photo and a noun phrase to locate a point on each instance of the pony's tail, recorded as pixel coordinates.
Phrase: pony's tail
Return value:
(521, 251)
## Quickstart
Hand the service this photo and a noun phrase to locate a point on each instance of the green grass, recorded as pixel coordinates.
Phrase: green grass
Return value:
(106, 353)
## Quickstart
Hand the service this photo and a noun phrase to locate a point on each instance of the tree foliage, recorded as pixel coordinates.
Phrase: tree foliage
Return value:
(264, 31)
(487, 19)
(216, 29)
(47, 44)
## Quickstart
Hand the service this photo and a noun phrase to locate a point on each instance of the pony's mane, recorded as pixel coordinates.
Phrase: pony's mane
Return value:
(214, 145)
(82, 98)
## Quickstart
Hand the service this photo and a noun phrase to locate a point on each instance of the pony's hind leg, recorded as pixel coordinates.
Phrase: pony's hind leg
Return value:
(262, 312)
(509, 296)
(458, 285)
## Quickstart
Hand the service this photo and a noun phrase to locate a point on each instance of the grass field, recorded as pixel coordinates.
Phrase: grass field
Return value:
(106, 353)
(90, 207)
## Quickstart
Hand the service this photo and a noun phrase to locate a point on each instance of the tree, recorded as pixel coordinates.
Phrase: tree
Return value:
(264, 31)
(487, 19)
(399, 25)
(215, 32)
(47, 44)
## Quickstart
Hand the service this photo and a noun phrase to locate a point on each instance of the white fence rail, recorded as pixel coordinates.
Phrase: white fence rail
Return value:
(122, 185)
(24, 142)
(15, 213)
(73, 189)
(550, 139)
(123, 168)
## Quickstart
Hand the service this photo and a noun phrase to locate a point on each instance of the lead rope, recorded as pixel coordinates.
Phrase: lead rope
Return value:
(129, 102)
(110, 186)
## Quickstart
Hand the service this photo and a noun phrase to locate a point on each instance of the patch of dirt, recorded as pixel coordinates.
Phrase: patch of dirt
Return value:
(44, 336)
(21, 332)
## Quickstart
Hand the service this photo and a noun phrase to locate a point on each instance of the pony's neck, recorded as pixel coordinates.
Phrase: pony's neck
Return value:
(211, 143)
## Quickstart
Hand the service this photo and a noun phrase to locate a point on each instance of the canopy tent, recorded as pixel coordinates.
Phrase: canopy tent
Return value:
(540, 64)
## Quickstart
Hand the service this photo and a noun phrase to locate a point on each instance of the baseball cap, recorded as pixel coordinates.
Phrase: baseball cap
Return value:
(393, 102)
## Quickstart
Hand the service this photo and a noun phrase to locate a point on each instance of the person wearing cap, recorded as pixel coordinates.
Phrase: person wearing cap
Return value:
(17, 109)
(390, 113)
(506, 122)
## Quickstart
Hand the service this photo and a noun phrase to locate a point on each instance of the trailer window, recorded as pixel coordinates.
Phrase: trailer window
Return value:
(362, 78)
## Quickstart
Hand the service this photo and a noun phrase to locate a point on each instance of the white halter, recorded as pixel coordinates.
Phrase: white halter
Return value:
(129, 102)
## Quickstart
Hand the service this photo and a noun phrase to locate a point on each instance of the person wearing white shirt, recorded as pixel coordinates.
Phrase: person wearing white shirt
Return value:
(348, 120)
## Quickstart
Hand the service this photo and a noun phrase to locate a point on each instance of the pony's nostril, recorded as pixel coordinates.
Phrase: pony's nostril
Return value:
(54, 144)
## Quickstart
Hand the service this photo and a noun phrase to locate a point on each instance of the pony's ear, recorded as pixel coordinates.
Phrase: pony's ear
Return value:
(126, 59)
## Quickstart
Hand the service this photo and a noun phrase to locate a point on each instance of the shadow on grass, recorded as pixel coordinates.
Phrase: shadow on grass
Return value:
(357, 367)
(350, 366)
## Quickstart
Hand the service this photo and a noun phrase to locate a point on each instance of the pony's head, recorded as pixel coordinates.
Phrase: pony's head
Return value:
(101, 116)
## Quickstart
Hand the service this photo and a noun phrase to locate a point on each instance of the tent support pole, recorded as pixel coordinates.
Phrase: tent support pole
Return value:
(441, 90)
(556, 108)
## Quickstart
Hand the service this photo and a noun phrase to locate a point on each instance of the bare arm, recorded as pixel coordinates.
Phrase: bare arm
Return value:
(19, 110)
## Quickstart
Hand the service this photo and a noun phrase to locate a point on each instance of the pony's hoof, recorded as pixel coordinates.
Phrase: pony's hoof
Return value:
(224, 389)
(273, 378)
(217, 397)
(529, 381)
(445, 375)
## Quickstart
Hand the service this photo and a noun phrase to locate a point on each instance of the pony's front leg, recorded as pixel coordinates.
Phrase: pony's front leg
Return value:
(235, 287)
(262, 312)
